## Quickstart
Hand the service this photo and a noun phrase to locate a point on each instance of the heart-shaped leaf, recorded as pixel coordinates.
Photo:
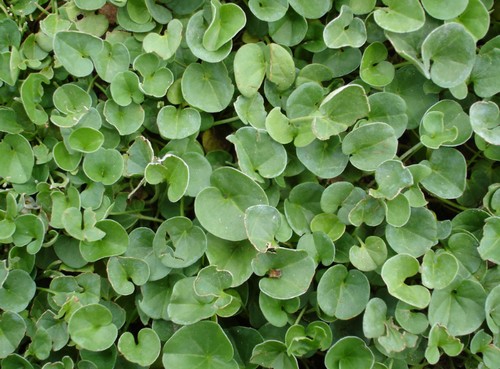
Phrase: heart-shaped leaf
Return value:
(488, 248)
(349, 353)
(75, 50)
(400, 16)
(17, 159)
(262, 223)
(91, 327)
(452, 50)
(370, 255)
(249, 68)
(147, 349)
(232, 192)
(438, 269)
(288, 272)
(17, 291)
(319, 246)
(178, 123)
(215, 353)
(394, 272)
(345, 30)
(272, 353)
(342, 293)
(324, 158)
(122, 271)
(280, 66)
(227, 20)
(166, 45)
(268, 10)
(440, 338)
(12, 330)
(370, 145)
(85, 140)
(485, 121)
(375, 70)
(444, 9)
(114, 242)
(104, 165)
(113, 59)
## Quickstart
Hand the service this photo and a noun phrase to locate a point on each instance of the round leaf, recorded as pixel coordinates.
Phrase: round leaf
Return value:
(16, 291)
(17, 159)
(214, 353)
(400, 16)
(207, 86)
(345, 30)
(438, 269)
(489, 246)
(85, 139)
(178, 123)
(444, 9)
(126, 119)
(227, 20)
(370, 255)
(349, 353)
(123, 271)
(262, 223)
(73, 50)
(231, 193)
(115, 242)
(12, 330)
(485, 121)
(324, 158)
(91, 327)
(249, 67)
(342, 293)
(147, 349)
(104, 165)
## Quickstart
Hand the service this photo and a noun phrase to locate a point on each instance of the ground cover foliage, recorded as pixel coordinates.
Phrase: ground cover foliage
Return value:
(260, 183)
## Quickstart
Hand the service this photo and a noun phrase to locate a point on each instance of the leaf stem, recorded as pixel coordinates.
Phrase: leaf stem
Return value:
(45, 290)
(411, 151)
(41, 8)
(224, 121)
(103, 90)
(91, 83)
(301, 314)
(181, 207)
(145, 217)
(452, 204)
(402, 64)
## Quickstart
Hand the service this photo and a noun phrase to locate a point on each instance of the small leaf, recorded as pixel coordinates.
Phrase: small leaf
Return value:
(345, 30)
(324, 158)
(249, 68)
(440, 338)
(488, 248)
(215, 353)
(91, 327)
(147, 349)
(85, 140)
(75, 50)
(103, 165)
(200, 78)
(375, 70)
(114, 242)
(444, 9)
(12, 330)
(400, 16)
(438, 269)
(122, 271)
(280, 66)
(227, 20)
(349, 353)
(392, 177)
(370, 255)
(178, 123)
(262, 223)
(395, 271)
(485, 121)
(166, 45)
(17, 291)
(17, 159)
(268, 10)
(342, 293)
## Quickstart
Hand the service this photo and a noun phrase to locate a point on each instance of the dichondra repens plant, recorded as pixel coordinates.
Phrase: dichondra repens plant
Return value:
(249, 184)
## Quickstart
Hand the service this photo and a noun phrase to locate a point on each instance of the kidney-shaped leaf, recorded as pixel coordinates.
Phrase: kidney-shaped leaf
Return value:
(214, 353)
(125, 272)
(17, 291)
(75, 49)
(370, 255)
(452, 50)
(231, 193)
(227, 20)
(17, 159)
(342, 293)
(207, 86)
(485, 121)
(177, 123)
(186, 242)
(370, 145)
(115, 241)
(262, 223)
(349, 353)
(444, 9)
(12, 330)
(345, 30)
(174, 171)
(91, 327)
(438, 269)
(401, 16)
(167, 44)
(288, 273)
(147, 349)
(395, 271)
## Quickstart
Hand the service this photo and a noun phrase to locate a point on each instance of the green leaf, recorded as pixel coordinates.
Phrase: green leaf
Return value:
(17, 291)
(30, 232)
(324, 158)
(370, 145)
(342, 293)
(375, 70)
(374, 318)
(231, 192)
(491, 307)
(71, 99)
(370, 255)
(302, 204)
(343, 107)
(104, 165)
(262, 223)
(280, 66)
(18, 160)
(174, 171)
(249, 68)
(91, 327)
(488, 248)
(268, 10)
(319, 246)
(329, 224)
(349, 353)
(114, 242)
(251, 110)
(459, 308)
(212, 282)
(444, 9)
(310, 8)
(440, 338)
(290, 30)
(259, 156)
(288, 273)
(345, 30)
(124, 273)
(85, 140)
(178, 123)
(400, 16)
(485, 121)
(227, 20)
(392, 177)
(124, 89)
(215, 353)
(31, 97)
(273, 354)
(147, 349)
(235, 257)
(75, 49)
(12, 330)
(112, 60)
(417, 236)
(452, 52)
(167, 44)
(198, 79)
(438, 269)
(185, 244)
(277, 311)
(447, 179)
(394, 272)
(475, 19)
(195, 31)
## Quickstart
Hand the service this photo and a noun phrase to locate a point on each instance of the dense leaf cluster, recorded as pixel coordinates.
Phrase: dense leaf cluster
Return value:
(255, 183)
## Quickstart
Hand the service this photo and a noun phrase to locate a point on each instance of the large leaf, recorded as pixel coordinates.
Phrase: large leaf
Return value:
(75, 50)
(17, 159)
